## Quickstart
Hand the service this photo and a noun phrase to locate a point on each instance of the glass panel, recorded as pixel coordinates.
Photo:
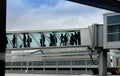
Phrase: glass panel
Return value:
(40, 63)
(113, 37)
(20, 40)
(113, 29)
(34, 42)
(30, 63)
(113, 19)
(60, 39)
(24, 63)
(50, 63)
(12, 41)
(78, 62)
(96, 62)
(63, 62)
(44, 39)
(8, 64)
(34, 63)
(16, 64)
(49, 39)
(90, 62)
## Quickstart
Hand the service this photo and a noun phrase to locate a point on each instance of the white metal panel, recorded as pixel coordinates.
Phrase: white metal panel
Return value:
(105, 32)
(100, 36)
(85, 37)
(97, 35)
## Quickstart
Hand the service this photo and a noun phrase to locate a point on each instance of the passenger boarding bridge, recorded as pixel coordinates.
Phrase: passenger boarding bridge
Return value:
(54, 42)
(40, 39)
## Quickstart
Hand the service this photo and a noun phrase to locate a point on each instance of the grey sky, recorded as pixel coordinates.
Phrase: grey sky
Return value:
(44, 14)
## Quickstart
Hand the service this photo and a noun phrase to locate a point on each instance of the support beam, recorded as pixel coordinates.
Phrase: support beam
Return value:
(2, 36)
(112, 5)
(102, 62)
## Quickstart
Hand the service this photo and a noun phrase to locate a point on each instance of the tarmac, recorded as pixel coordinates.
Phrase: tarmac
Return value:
(9, 74)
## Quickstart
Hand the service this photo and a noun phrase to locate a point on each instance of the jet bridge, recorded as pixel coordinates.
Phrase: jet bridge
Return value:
(27, 40)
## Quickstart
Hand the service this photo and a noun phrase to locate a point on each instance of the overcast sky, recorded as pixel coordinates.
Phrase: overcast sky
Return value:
(50, 14)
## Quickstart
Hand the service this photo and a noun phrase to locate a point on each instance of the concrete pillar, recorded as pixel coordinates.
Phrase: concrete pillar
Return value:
(102, 63)
(70, 70)
(56, 70)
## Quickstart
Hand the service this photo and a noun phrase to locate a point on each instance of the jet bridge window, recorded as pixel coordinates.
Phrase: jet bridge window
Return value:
(113, 28)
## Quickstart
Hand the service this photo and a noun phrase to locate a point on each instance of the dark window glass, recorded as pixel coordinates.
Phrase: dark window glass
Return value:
(113, 37)
(40, 63)
(90, 62)
(78, 62)
(113, 19)
(30, 63)
(8, 64)
(63, 62)
(24, 63)
(113, 29)
(50, 63)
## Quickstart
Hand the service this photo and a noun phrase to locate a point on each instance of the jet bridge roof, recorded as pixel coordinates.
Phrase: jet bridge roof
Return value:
(112, 5)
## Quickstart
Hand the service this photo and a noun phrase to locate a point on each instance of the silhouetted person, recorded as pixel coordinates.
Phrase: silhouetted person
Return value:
(29, 40)
(62, 39)
(51, 40)
(42, 40)
(65, 39)
(43, 36)
(6, 40)
(78, 38)
(72, 39)
(24, 40)
(14, 41)
(54, 40)
(75, 38)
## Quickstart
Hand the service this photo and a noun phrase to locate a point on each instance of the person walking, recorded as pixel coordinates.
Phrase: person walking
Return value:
(62, 39)
(14, 41)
